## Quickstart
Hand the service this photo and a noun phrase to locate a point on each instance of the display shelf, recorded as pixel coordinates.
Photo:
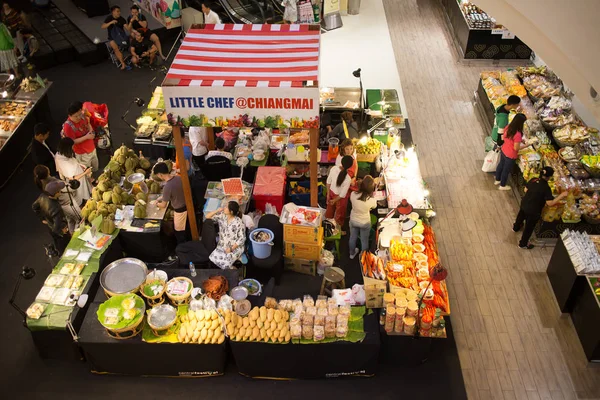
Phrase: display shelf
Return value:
(585, 316)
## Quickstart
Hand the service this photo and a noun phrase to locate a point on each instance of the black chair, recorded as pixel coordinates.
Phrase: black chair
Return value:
(273, 265)
(198, 252)
(216, 168)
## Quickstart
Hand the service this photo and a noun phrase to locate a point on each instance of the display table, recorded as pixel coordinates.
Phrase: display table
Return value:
(16, 147)
(104, 354)
(304, 361)
(483, 43)
(147, 246)
(50, 333)
(585, 316)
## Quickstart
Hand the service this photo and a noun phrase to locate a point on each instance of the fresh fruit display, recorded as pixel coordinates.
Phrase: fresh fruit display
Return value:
(571, 212)
(512, 83)
(591, 163)
(372, 266)
(495, 91)
(260, 325)
(372, 146)
(402, 274)
(400, 251)
(201, 327)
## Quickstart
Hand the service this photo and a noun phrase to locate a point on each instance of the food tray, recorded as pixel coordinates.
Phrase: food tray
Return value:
(8, 125)
(123, 276)
(15, 108)
(589, 171)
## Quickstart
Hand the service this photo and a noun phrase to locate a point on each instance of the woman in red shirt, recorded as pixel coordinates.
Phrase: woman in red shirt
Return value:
(513, 137)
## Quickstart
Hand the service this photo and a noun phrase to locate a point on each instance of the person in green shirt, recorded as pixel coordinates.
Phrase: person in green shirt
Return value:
(501, 120)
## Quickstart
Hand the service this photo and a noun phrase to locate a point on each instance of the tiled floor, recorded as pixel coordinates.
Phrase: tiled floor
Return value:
(513, 341)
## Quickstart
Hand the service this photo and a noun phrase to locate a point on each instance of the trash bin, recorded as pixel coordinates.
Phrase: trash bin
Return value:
(353, 7)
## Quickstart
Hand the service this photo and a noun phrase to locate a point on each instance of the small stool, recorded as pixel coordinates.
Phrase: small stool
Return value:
(333, 278)
(336, 239)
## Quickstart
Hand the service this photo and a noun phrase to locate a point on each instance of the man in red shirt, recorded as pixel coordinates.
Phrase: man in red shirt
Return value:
(78, 128)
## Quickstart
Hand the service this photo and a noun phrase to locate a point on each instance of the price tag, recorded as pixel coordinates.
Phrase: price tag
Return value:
(507, 35)
(498, 31)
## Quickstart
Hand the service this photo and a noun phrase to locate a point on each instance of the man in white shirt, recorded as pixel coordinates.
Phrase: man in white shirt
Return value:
(210, 17)
(220, 151)
(199, 144)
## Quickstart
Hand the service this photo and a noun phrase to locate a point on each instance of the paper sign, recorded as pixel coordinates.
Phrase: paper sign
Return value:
(167, 12)
(498, 31)
(507, 35)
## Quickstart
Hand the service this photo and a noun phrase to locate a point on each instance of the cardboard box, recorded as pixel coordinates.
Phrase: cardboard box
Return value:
(374, 296)
(303, 251)
(306, 267)
(303, 234)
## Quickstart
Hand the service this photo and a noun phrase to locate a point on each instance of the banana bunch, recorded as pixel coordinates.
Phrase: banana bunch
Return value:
(261, 324)
(202, 327)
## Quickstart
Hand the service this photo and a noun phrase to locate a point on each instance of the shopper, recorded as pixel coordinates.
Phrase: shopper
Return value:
(338, 183)
(347, 149)
(48, 209)
(66, 199)
(187, 155)
(173, 192)
(290, 13)
(117, 33)
(347, 129)
(509, 152)
(41, 153)
(137, 22)
(537, 195)
(501, 119)
(141, 49)
(198, 143)
(30, 43)
(8, 56)
(11, 18)
(77, 127)
(69, 169)
(210, 17)
(220, 151)
(360, 216)
(232, 235)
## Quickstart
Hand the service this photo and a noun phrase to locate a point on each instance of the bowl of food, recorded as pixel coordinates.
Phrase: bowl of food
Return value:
(239, 293)
(253, 286)
(122, 315)
(162, 318)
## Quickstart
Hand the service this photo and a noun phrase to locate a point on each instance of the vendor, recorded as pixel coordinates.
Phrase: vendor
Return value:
(501, 119)
(338, 183)
(347, 149)
(220, 151)
(347, 129)
(537, 195)
(232, 235)
(173, 192)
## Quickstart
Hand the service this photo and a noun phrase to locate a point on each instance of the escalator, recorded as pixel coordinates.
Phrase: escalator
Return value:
(244, 11)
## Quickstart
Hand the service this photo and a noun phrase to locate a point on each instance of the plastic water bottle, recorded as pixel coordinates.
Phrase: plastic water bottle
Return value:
(192, 269)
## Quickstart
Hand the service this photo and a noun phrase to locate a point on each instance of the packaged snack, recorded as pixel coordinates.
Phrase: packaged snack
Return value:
(330, 322)
(295, 331)
(322, 311)
(318, 333)
(54, 280)
(36, 310)
(296, 303)
(308, 319)
(345, 310)
(67, 268)
(270, 302)
(411, 308)
(78, 268)
(307, 332)
(296, 319)
(128, 303)
(299, 309)
(321, 301)
(308, 301)
(329, 332)
(111, 312)
(68, 282)
(60, 296)
(319, 319)
(77, 283)
(342, 320)
(388, 298)
(45, 294)
(341, 331)
(409, 325)
(332, 309)
(311, 310)
(390, 318)
(331, 301)
(398, 322)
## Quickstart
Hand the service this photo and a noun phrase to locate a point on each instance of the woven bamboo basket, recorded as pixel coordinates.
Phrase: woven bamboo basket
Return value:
(370, 158)
(157, 299)
(127, 332)
(162, 330)
(182, 299)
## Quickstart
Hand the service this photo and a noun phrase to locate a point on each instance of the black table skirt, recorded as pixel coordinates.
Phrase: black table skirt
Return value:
(58, 344)
(305, 361)
(585, 316)
(133, 356)
(565, 282)
(151, 247)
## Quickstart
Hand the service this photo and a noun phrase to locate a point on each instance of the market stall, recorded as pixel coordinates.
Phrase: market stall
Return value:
(478, 36)
(55, 316)
(19, 112)
(153, 134)
(263, 77)
(557, 138)
(574, 272)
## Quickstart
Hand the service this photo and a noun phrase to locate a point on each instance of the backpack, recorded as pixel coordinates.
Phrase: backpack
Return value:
(119, 35)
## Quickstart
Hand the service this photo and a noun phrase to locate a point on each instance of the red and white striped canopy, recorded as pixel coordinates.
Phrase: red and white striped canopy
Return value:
(247, 56)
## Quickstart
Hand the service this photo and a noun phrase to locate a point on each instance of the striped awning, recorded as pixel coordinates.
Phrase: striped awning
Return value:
(247, 56)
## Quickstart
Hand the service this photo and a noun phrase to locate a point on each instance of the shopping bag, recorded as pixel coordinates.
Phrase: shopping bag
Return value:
(491, 160)
(489, 144)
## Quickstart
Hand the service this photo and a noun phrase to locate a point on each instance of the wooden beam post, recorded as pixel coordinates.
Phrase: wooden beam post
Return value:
(314, 167)
(210, 134)
(187, 189)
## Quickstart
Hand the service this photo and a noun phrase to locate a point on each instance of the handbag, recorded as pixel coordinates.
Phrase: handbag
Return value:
(491, 161)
